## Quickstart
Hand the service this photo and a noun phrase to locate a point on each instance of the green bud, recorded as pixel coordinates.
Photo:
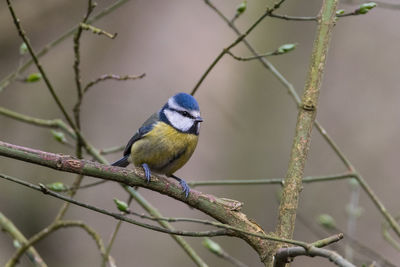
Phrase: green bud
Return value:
(340, 12)
(356, 212)
(57, 186)
(121, 205)
(212, 246)
(241, 7)
(23, 49)
(16, 243)
(59, 136)
(364, 8)
(327, 221)
(286, 48)
(33, 77)
(353, 182)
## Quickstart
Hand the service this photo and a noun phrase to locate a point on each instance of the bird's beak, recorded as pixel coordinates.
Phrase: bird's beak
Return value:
(198, 119)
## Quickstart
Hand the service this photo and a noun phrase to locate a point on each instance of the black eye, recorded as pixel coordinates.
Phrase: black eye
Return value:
(186, 114)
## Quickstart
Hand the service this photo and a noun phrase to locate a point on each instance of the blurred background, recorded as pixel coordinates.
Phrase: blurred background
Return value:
(249, 120)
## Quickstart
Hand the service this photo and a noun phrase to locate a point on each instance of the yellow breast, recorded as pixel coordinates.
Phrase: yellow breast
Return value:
(164, 149)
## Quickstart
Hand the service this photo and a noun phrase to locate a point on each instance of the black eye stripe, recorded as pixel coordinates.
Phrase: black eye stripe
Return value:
(183, 113)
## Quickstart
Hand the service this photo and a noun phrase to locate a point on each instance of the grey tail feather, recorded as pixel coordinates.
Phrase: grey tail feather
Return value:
(122, 162)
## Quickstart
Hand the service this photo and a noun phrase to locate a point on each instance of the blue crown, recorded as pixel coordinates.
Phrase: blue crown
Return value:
(186, 101)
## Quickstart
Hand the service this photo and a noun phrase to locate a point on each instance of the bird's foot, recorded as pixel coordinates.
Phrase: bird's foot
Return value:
(186, 188)
(147, 172)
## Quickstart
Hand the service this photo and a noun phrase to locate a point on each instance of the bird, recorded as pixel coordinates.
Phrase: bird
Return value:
(166, 140)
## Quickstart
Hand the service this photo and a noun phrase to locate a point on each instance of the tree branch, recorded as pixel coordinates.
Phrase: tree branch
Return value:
(305, 120)
(51, 228)
(227, 230)
(21, 33)
(10, 77)
(285, 255)
(223, 210)
(236, 42)
(280, 181)
(292, 91)
(7, 226)
(55, 123)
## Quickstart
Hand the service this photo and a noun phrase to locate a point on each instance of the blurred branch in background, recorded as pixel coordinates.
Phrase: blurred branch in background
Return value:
(10, 78)
(19, 240)
(49, 230)
(385, 232)
(216, 249)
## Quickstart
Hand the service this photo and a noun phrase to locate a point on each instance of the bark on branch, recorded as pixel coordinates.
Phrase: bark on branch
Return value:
(223, 210)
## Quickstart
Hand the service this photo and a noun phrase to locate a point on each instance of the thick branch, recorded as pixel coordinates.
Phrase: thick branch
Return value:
(305, 121)
(227, 212)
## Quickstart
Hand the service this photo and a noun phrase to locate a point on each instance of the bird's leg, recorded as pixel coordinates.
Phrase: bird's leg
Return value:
(186, 188)
(147, 172)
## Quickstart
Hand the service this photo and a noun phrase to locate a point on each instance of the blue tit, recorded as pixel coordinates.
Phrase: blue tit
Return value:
(166, 141)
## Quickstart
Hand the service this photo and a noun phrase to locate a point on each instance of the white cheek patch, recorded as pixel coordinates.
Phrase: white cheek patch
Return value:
(178, 121)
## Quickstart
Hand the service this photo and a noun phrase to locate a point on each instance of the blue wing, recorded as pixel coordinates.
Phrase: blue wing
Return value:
(146, 127)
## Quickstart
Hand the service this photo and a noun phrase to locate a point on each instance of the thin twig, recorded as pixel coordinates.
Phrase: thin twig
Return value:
(10, 77)
(217, 250)
(280, 181)
(96, 30)
(38, 65)
(113, 237)
(55, 123)
(7, 226)
(112, 77)
(50, 229)
(111, 150)
(307, 179)
(77, 72)
(386, 235)
(236, 42)
(284, 254)
(285, 17)
(273, 53)
(154, 212)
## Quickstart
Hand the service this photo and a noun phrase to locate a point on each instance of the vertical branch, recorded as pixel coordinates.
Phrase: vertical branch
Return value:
(353, 212)
(77, 61)
(305, 120)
